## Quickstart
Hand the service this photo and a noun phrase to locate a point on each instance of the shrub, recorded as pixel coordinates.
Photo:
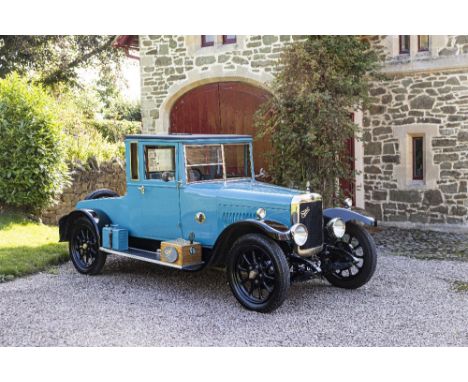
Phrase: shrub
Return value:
(32, 167)
(122, 109)
(320, 80)
(115, 131)
(86, 138)
(83, 142)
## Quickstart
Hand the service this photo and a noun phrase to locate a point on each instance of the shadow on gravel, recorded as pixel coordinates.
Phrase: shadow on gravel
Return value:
(210, 283)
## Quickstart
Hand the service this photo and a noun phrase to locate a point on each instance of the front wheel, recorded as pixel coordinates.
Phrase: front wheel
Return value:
(84, 248)
(352, 259)
(258, 273)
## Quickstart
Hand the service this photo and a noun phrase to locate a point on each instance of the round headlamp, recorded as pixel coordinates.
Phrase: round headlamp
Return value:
(261, 213)
(336, 228)
(348, 202)
(299, 234)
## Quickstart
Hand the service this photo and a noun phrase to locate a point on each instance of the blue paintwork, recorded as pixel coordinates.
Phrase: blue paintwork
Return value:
(167, 210)
(347, 215)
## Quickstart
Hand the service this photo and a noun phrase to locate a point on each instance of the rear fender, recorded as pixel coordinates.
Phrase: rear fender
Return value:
(97, 218)
(347, 215)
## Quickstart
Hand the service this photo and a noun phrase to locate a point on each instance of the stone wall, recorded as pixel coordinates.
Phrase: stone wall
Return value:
(456, 45)
(109, 175)
(433, 105)
(171, 65)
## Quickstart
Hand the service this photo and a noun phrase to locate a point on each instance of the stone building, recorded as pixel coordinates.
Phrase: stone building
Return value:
(412, 160)
(416, 131)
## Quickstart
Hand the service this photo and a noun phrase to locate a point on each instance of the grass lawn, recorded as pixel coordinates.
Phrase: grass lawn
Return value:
(27, 247)
(461, 286)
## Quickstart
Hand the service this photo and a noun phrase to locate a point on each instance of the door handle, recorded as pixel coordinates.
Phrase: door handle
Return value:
(142, 189)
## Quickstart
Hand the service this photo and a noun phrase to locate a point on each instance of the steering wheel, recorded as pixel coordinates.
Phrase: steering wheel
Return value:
(196, 174)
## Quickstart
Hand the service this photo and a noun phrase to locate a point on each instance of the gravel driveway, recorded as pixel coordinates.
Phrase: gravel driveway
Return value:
(408, 302)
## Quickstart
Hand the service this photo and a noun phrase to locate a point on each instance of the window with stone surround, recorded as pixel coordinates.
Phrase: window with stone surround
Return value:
(423, 43)
(229, 39)
(404, 44)
(217, 40)
(418, 158)
(416, 168)
(207, 40)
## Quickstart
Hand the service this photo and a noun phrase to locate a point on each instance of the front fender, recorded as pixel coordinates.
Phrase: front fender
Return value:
(275, 230)
(347, 215)
(231, 233)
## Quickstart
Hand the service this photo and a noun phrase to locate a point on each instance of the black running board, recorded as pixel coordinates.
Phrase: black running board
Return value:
(149, 257)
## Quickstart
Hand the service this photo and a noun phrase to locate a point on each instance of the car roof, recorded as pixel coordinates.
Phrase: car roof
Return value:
(190, 137)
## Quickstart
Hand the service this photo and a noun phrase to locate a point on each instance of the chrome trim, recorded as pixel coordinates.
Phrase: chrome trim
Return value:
(294, 228)
(302, 198)
(223, 162)
(259, 213)
(154, 261)
(296, 201)
(309, 251)
(200, 217)
(219, 180)
(330, 230)
(348, 202)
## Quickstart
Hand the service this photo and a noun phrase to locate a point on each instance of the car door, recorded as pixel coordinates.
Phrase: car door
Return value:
(155, 213)
(201, 180)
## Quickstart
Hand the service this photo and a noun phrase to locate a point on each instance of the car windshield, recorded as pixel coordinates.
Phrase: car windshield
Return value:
(205, 162)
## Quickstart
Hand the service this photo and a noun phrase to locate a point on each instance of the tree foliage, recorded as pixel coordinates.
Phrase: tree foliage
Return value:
(33, 170)
(58, 58)
(321, 80)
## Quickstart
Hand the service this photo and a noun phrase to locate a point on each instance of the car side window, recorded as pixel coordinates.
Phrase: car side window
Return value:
(160, 163)
(134, 161)
(203, 162)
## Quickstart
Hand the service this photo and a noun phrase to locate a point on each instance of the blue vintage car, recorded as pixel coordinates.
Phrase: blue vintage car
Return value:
(193, 201)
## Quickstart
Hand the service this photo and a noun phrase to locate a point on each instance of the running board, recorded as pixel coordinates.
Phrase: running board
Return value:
(149, 257)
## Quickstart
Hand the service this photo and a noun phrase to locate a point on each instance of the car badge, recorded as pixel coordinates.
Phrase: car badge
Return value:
(305, 212)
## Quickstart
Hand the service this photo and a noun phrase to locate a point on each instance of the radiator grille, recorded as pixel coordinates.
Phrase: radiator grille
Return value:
(310, 214)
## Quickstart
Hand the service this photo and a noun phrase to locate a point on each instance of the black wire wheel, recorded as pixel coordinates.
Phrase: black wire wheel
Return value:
(354, 258)
(84, 248)
(258, 273)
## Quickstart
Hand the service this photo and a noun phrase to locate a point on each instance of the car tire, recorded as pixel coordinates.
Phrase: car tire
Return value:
(84, 248)
(363, 246)
(258, 273)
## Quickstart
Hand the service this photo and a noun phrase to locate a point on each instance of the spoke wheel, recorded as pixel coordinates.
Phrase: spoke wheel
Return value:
(258, 273)
(255, 275)
(84, 248)
(356, 270)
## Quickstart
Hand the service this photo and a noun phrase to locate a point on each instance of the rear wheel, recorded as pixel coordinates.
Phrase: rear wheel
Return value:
(84, 248)
(258, 273)
(354, 259)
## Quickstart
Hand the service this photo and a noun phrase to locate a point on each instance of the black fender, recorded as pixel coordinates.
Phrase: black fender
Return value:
(97, 218)
(347, 215)
(277, 231)
(101, 193)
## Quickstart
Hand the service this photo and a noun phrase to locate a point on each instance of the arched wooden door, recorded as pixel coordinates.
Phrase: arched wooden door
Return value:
(222, 108)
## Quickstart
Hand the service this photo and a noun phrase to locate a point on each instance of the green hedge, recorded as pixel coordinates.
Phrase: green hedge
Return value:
(32, 162)
(115, 131)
